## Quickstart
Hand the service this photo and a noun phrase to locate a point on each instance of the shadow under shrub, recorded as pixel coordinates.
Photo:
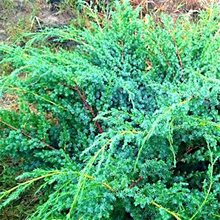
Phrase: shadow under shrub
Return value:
(126, 122)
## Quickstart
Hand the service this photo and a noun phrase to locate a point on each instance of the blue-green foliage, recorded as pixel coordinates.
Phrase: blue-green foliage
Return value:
(124, 125)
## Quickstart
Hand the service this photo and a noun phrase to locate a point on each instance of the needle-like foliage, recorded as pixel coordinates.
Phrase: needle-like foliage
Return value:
(124, 124)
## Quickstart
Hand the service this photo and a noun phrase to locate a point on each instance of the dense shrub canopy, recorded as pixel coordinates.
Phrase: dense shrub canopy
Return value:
(124, 124)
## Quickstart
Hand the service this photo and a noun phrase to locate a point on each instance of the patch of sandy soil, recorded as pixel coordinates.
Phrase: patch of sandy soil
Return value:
(49, 16)
(9, 102)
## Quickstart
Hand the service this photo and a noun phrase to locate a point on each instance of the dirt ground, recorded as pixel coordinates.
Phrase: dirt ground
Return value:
(18, 16)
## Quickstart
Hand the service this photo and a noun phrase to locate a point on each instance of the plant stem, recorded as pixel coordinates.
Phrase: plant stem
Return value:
(88, 106)
(25, 134)
(166, 210)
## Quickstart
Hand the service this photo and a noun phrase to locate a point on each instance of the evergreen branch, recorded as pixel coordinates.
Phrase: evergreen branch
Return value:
(39, 96)
(81, 181)
(210, 184)
(88, 107)
(25, 134)
(175, 215)
(155, 124)
(28, 182)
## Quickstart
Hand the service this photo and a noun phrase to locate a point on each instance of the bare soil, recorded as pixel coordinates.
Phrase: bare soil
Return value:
(18, 16)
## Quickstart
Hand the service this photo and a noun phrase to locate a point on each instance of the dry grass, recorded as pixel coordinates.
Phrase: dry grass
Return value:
(173, 6)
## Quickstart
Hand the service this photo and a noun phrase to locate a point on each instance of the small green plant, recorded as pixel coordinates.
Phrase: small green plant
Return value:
(124, 125)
